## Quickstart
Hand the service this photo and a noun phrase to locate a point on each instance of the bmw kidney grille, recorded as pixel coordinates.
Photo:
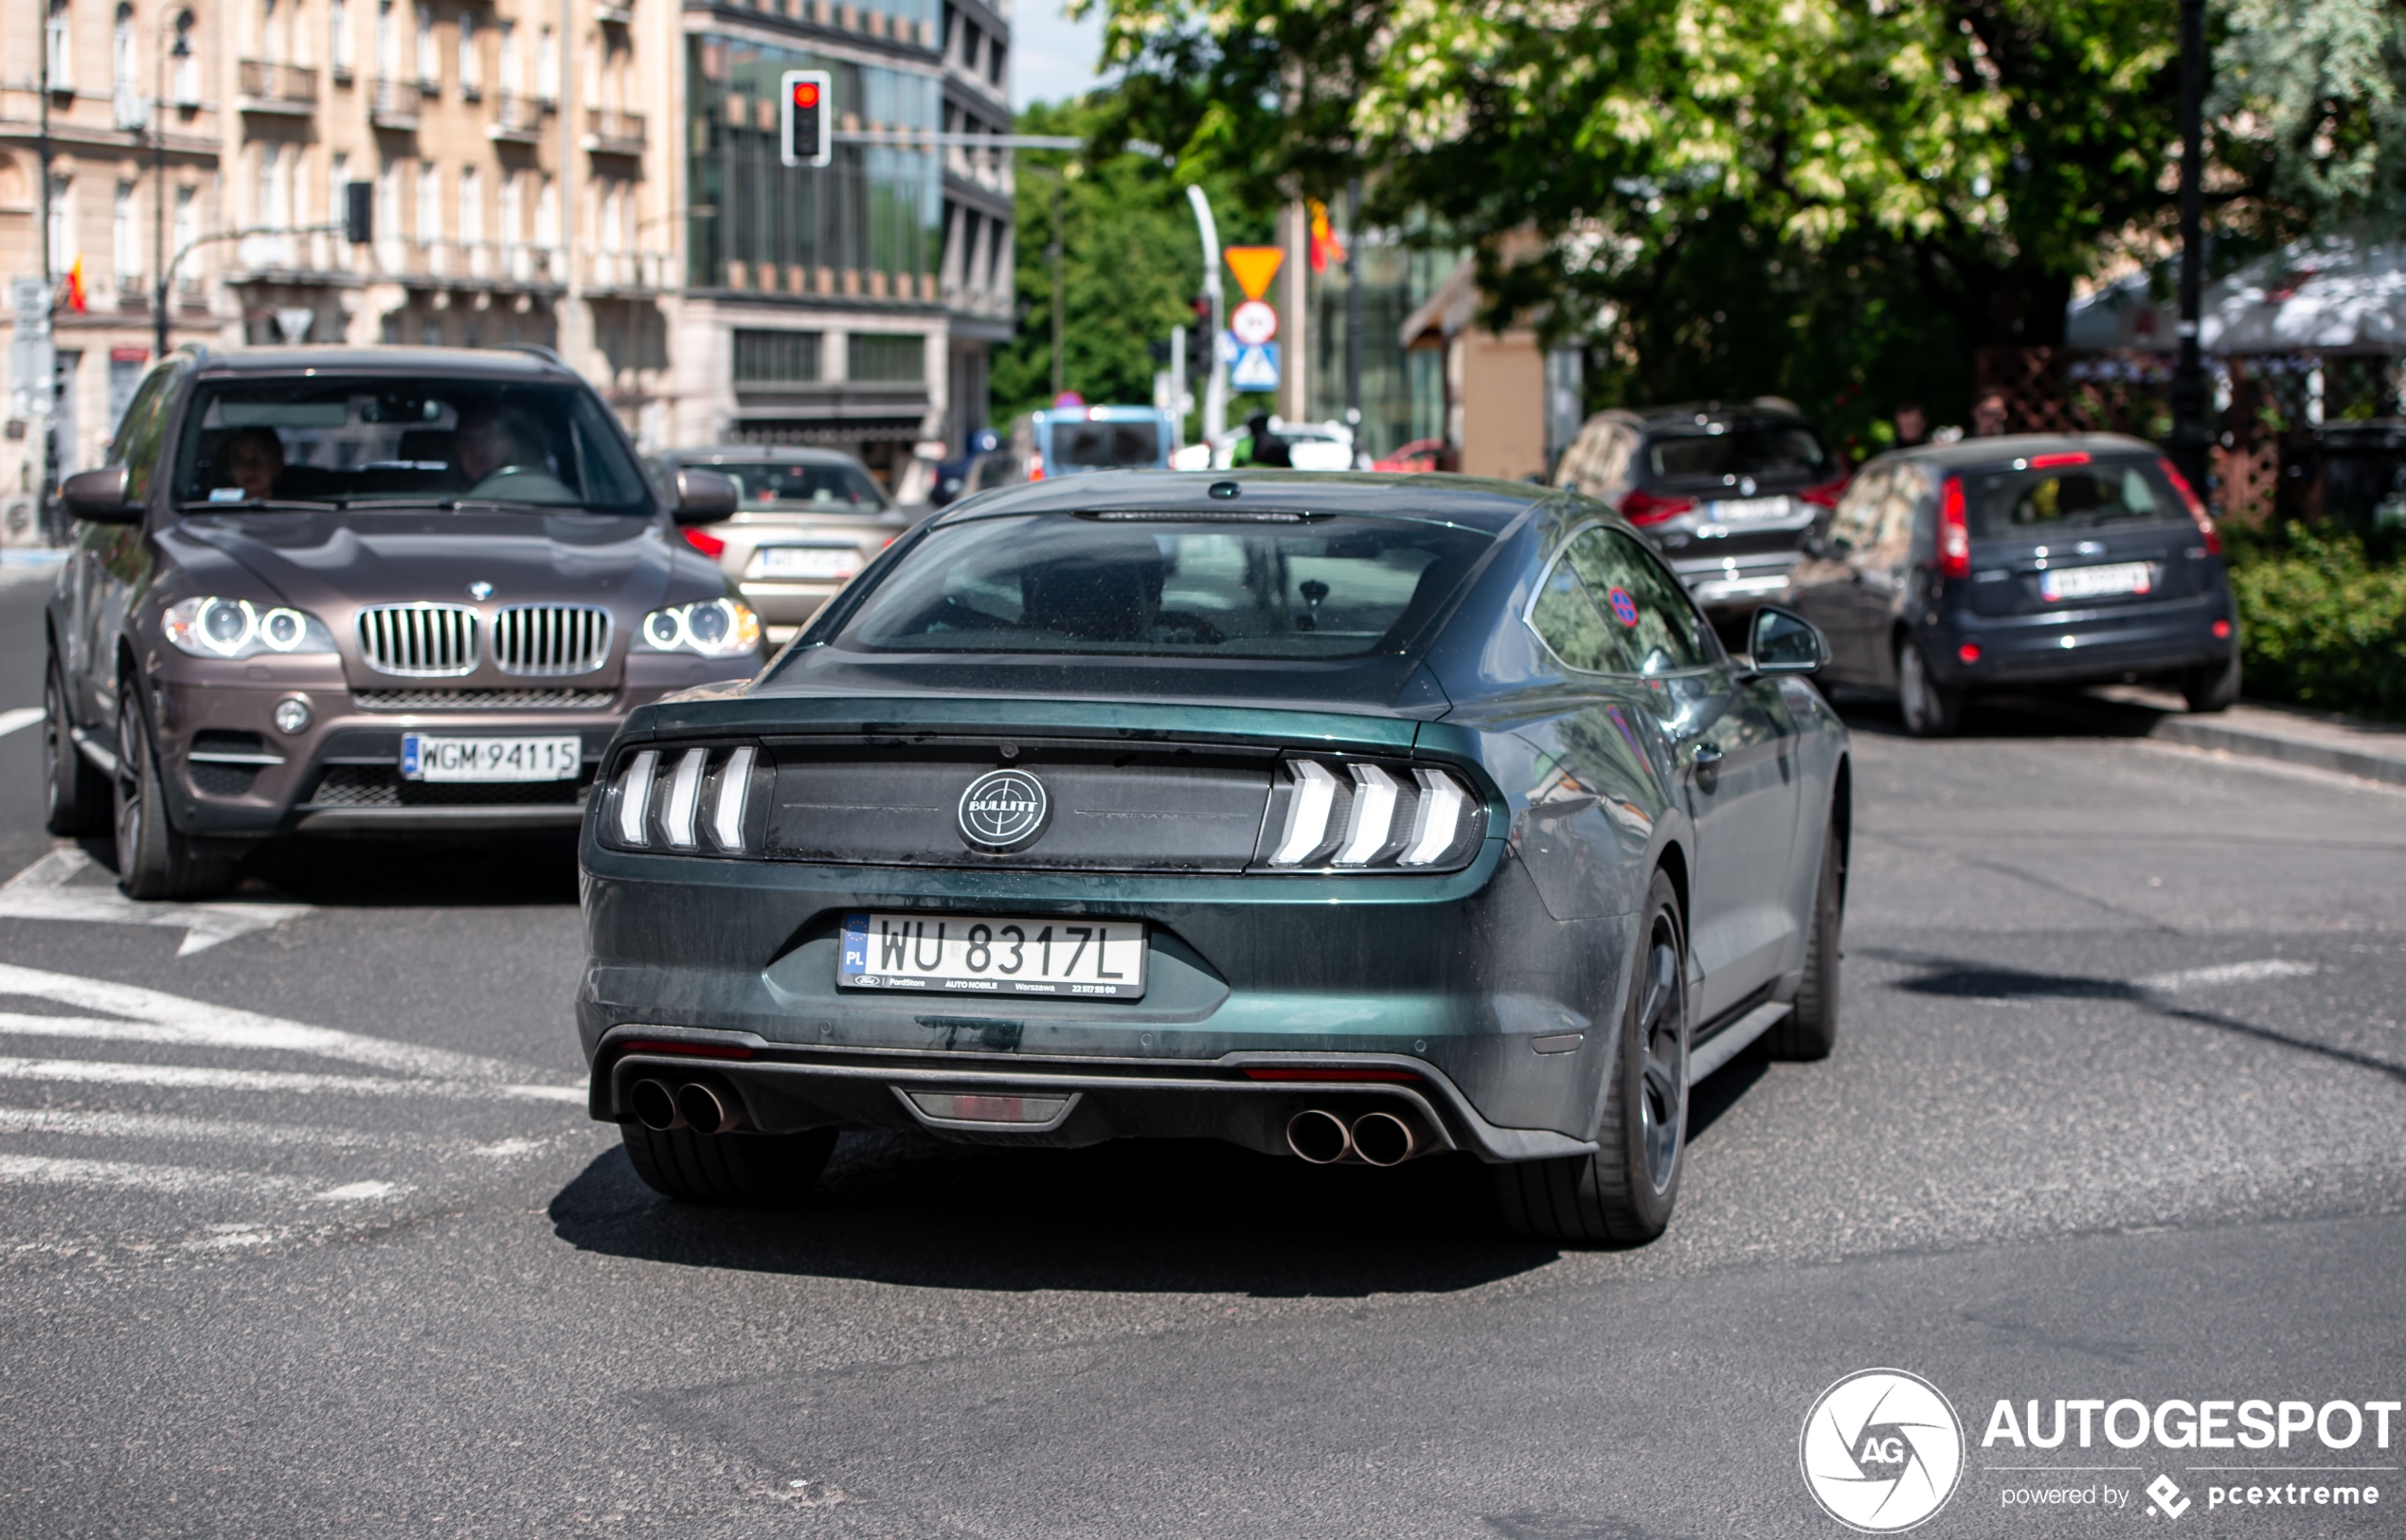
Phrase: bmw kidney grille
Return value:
(419, 641)
(547, 641)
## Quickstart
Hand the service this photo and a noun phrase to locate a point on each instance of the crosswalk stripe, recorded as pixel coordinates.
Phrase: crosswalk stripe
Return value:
(147, 1125)
(54, 1171)
(187, 1077)
(175, 1019)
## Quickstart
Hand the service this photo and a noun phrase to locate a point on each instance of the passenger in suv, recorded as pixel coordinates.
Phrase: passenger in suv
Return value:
(2054, 559)
(364, 591)
(1726, 494)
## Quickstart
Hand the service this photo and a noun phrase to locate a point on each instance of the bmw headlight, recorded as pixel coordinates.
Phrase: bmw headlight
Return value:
(237, 628)
(711, 627)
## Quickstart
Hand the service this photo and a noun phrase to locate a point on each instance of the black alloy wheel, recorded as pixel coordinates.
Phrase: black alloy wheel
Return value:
(154, 860)
(75, 796)
(1929, 709)
(1623, 1194)
(738, 1170)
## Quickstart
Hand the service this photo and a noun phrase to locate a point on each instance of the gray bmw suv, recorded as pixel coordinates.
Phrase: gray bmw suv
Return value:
(375, 591)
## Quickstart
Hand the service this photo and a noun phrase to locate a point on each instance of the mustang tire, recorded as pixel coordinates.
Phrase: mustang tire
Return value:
(752, 1171)
(154, 860)
(75, 796)
(1811, 1029)
(1623, 1194)
(1929, 709)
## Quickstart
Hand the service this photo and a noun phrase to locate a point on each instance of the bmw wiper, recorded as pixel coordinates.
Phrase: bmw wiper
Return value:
(262, 505)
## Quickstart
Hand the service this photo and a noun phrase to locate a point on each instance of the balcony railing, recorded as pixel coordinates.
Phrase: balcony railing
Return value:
(278, 88)
(631, 271)
(614, 129)
(516, 119)
(496, 265)
(394, 104)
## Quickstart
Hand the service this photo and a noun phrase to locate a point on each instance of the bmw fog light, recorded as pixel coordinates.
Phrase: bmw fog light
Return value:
(291, 715)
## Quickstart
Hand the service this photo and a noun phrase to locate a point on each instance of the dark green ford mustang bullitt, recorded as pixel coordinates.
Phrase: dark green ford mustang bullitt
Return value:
(1347, 817)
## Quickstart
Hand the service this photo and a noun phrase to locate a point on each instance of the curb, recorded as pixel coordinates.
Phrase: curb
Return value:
(2204, 732)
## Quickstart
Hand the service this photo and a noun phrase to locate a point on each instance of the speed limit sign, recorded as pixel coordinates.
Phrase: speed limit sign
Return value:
(1252, 323)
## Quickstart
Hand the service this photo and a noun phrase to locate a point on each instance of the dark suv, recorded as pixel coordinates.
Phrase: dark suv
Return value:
(2057, 558)
(1726, 494)
(366, 591)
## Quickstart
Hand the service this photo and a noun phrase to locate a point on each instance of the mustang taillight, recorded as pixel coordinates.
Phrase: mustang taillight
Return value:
(685, 799)
(1358, 816)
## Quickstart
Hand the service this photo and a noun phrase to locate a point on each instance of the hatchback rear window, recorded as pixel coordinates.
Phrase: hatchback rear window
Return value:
(1311, 587)
(1760, 452)
(2035, 501)
(1095, 446)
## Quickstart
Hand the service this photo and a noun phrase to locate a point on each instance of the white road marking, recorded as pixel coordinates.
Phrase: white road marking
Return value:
(2228, 972)
(51, 1171)
(359, 1191)
(185, 1077)
(23, 716)
(145, 1125)
(40, 892)
(158, 1017)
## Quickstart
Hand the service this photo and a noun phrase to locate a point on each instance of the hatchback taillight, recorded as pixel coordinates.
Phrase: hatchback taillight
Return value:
(1954, 532)
(1643, 507)
(1827, 494)
(697, 800)
(2195, 505)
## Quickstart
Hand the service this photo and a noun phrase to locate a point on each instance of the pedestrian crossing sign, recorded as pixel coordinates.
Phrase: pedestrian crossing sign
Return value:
(1256, 367)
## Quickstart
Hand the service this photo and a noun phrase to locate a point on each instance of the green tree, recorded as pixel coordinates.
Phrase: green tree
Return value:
(1131, 259)
(2311, 103)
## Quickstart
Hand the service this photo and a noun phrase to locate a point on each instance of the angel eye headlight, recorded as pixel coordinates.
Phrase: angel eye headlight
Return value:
(237, 628)
(709, 627)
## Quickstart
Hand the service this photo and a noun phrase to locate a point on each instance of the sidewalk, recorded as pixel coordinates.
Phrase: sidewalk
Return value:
(2322, 740)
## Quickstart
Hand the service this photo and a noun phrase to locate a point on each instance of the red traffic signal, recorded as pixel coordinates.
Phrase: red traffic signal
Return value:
(804, 139)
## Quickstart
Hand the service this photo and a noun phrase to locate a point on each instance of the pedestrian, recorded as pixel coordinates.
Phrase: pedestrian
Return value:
(1912, 425)
(1988, 415)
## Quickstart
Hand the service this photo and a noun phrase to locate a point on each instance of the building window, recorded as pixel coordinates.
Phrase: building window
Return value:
(997, 61)
(122, 66)
(337, 191)
(338, 37)
(61, 225)
(514, 208)
(472, 208)
(429, 202)
(546, 67)
(127, 239)
(511, 83)
(872, 358)
(269, 44)
(777, 357)
(429, 61)
(547, 215)
(187, 73)
(187, 229)
(472, 75)
(59, 37)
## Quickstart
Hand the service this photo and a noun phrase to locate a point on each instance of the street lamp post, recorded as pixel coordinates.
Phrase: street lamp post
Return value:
(2190, 436)
(183, 49)
(1215, 380)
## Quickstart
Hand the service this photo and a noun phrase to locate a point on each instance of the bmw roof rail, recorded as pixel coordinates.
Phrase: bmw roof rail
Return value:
(547, 354)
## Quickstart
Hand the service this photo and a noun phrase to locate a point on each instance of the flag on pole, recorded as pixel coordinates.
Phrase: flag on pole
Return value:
(75, 286)
(1326, 245)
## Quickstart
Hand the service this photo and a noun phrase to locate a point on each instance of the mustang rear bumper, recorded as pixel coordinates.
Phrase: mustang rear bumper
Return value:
(1054, 1102)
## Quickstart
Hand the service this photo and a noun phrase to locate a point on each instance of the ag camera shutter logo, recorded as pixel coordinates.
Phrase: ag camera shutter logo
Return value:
(1004, 810)
(1881, 1450)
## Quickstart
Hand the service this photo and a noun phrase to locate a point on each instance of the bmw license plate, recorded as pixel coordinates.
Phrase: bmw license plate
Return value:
(2096, 581)
(809, 563)
(424, 757)
(975, 953)
(1746, 509)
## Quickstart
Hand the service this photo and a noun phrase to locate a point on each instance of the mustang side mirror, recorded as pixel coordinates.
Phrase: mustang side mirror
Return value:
(99, 496)
(1780, 641)
(703, 497)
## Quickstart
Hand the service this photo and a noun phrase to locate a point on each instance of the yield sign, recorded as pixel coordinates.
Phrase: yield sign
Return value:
(1255, 266)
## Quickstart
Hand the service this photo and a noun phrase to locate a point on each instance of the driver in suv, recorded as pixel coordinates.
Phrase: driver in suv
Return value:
(381, 591)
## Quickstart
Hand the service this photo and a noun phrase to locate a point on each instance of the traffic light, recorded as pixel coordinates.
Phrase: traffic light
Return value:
(806, 117)
(359, 212)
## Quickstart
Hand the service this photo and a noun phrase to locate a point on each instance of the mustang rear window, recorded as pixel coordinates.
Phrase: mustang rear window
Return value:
(401, 444)
(1319, 588)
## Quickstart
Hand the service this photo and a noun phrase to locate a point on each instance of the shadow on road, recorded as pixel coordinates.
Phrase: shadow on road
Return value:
(2033, 714)
(1136, 1216)
(450, 871)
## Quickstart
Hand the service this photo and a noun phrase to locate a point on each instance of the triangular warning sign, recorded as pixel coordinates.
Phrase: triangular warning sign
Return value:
(1255, 266)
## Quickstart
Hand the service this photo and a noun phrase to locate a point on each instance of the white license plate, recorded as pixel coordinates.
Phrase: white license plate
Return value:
(2095, 581)
(1747, 510)
(976, 954)
(819, 562)
(424, 757)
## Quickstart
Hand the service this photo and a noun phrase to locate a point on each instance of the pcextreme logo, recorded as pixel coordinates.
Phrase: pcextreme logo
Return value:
(1881, 1450)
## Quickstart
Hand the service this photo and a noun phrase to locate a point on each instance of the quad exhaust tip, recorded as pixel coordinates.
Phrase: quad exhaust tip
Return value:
(664, 1108)
(1375, 1138)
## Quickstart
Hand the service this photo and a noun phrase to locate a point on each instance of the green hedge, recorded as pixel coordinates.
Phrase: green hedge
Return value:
(2323, 621)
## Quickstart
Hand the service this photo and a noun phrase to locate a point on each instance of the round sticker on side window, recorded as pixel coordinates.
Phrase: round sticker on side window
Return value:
(1624, 609)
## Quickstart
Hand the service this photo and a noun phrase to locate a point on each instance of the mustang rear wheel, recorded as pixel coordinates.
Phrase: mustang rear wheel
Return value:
(753, 1170)
(1811, 1029)
(1623, 1194)
(154, 860)
(75, 796)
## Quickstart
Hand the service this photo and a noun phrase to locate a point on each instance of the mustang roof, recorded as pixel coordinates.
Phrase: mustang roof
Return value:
(1472, 502)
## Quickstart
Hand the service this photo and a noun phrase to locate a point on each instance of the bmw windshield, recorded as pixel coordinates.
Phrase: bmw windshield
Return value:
(317, 441)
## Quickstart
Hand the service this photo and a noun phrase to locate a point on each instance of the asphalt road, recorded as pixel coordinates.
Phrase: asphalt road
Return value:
(303, 1232)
